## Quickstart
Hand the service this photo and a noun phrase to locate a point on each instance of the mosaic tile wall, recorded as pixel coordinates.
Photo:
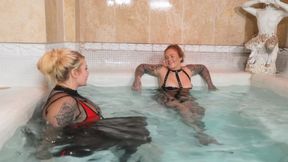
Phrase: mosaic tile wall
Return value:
(18, 61)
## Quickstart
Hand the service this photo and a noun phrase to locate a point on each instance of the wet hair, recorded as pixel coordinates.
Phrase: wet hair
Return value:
(57, 64)
(177, 48)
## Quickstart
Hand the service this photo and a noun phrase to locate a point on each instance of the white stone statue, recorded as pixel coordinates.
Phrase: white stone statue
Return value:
(264, 47)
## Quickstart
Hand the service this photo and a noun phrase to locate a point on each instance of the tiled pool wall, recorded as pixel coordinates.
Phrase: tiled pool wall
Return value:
(18, 61)
(128, 56)
(282, 62)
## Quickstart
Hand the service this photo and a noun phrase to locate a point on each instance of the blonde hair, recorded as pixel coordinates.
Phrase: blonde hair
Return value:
(57, 64)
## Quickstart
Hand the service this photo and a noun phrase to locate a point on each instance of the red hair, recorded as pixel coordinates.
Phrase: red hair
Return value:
(177, 48)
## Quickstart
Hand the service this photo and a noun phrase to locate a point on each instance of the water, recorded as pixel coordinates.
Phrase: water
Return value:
(250, 123)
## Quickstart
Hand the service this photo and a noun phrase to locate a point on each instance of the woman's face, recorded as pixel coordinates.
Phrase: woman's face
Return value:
(82, 74)
(172, 59)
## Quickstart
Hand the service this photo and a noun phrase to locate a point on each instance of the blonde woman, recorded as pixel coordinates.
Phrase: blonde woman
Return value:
(74, 123)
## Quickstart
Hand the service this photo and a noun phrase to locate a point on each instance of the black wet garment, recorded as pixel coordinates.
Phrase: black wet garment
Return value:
(125, 133)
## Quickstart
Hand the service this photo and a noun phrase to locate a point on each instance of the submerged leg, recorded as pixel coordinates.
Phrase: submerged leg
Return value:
(205, 139)
(190, 118)
(192, 115)
(127, 154)
(195, 108)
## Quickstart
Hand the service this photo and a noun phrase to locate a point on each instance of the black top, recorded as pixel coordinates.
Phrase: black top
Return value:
(177, 77)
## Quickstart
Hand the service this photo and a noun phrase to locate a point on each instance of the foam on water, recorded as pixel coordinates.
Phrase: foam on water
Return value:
(250, 123)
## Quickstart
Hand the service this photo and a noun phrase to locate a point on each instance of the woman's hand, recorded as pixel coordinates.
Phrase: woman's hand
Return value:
(137, 85)
(211, 87)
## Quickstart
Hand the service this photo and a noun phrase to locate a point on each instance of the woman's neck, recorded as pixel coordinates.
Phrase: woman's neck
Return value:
(68, 85)
(176, 68)
(67, 90)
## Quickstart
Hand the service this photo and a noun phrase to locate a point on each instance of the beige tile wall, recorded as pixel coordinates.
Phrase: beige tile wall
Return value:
(61, 20)
(96, 21)
(212, 22)
(70, 20)
(166, 25)
(204, 22)
(22, 21)
(54, 20)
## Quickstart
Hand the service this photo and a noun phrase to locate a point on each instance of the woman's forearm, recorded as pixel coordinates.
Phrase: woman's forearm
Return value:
(203, 72)
(142, 69)
(150, 69)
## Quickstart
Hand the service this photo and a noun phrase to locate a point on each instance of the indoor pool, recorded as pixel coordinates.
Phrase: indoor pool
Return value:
(250, 123)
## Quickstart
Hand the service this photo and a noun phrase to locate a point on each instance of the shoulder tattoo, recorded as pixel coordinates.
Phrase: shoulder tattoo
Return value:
(195, 68)
(66, 115)
(151, 69)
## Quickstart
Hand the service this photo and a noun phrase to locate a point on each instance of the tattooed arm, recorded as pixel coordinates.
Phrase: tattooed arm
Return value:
(151, 69)
(62, 113)
(203, 72)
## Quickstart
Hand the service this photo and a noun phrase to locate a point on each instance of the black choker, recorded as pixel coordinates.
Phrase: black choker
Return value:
(176, 70)
(69, 91)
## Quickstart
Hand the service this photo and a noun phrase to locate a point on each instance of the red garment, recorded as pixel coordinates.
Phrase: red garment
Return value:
(91, 116)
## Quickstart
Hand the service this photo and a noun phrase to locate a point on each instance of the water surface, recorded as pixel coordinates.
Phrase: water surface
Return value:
(250, 123)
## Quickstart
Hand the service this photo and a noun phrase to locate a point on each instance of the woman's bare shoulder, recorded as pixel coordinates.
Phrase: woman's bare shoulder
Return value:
(162, 69)
(187, 68)
(61, 101)
(157, 69)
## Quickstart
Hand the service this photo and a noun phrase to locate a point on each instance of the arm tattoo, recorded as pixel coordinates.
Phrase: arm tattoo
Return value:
(66, 115)
(203, 72)
(150, 69)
